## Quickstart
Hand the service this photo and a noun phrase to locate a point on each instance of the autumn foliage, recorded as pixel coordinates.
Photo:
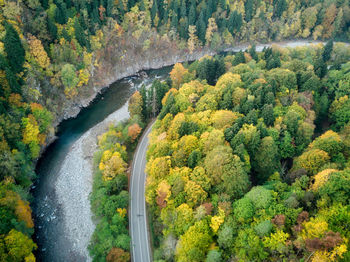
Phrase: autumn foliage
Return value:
(134, 131)
(235, 170)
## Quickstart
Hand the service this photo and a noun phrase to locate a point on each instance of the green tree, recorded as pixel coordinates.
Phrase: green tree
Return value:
(79, 33)
(337, 188)
(320, 67)
(51, 26)
(266, 159)
(235, 180)
(192, 13)
(267, 114)
(286, 147)
(14, 49)
(194, 243)
(201, 27)
(61, 12)
(213, 256)
(327, 51)
(19, 246)
(280, 7)
(235, 22)
(68, 76)
(249, 8)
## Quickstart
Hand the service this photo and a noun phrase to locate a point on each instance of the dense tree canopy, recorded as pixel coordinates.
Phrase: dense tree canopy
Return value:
(53, 53)
(246, 170)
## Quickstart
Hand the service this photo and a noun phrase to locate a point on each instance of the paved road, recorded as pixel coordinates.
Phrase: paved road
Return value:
(138, 218)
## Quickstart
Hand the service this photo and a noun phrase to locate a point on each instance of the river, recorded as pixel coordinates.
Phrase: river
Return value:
(63, 220)
(62, 216)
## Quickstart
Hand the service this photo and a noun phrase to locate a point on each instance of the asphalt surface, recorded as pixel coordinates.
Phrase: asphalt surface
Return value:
(140, 246)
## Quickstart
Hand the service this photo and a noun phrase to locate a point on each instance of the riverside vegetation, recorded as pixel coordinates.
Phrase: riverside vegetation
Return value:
(110, 197)
(51, 52)
(249, 158)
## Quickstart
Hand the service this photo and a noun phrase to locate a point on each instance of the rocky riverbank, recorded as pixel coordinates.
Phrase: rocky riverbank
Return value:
(74, 184)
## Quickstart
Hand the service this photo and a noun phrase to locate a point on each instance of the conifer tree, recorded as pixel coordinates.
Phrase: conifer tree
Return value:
(61, 13)
(249, 5)
(154, 10)
(192, 14)
(14, 49)
(235, 22)
(183, 9)
(327, 51)
(51, 26)
(79, 33)
(201, 27)
(44, 3)
(253, 53)
(280, 7)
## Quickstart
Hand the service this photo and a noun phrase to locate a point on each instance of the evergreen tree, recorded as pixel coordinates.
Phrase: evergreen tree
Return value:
(142, 6)
(109, 7)
(235, 22)
(79, 33)
(14, 49)
(13, 81)
(192, 14)
(175, 7)
(201, 27)
(222, 4)
(267, 53)
(52, 28)
(143, 93)
(69, 3)
(160, 90)
(249, 5)
(208, 11)
(280, 7)
(66, 35)
(131, 3)
(183, 9)
(10, 77)
(320, 68)
(154, 10)
(83, 23)
(273, 61)
(61, 13)
(239, 58)
(121, 11)
(183, 28)
(174, 21)
(160, 7)
(44, 3)
(327, 51)
(253, 53)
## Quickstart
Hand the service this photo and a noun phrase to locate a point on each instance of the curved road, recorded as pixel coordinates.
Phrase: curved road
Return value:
(138, 216)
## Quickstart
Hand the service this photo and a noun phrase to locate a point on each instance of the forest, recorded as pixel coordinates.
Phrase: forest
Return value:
(50, 51)
(250, 161)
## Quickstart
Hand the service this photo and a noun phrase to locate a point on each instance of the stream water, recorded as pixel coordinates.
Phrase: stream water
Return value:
(63, 220)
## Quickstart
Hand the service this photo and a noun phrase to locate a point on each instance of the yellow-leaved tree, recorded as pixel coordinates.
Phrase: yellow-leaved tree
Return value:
(216, 221)
(177, 74)
(111, 165)
(192, 42)
(135, 104)
(38, 52)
